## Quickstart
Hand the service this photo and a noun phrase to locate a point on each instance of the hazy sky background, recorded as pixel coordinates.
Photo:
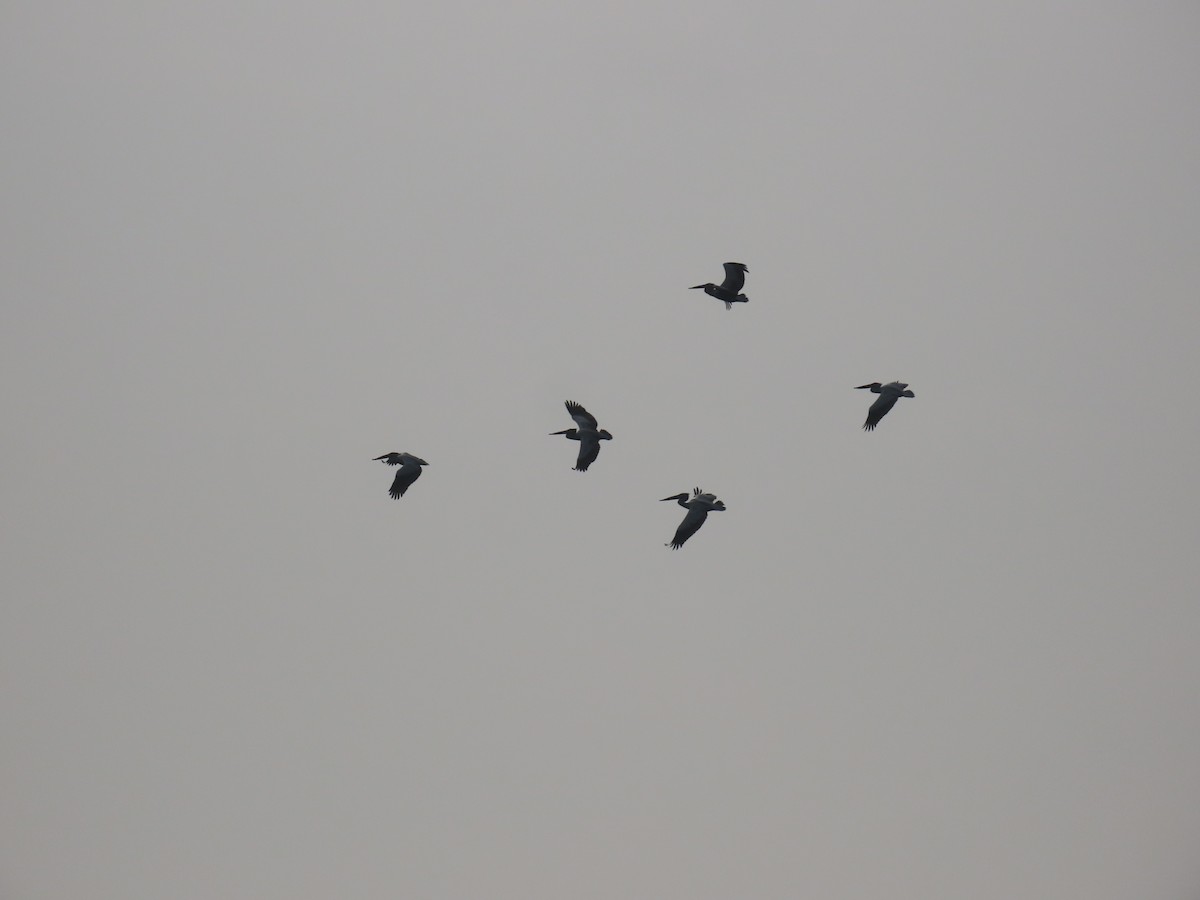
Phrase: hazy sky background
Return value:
(248, 246)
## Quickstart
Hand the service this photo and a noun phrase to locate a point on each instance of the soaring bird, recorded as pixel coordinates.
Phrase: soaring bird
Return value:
(888, 395)
(727, 290)
(698, 506)
(409, 471)
(587, 433)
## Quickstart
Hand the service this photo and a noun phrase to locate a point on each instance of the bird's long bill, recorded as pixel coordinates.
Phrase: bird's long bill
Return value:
(861, 386)
(697, 286)
(564, 431)
(673, 497)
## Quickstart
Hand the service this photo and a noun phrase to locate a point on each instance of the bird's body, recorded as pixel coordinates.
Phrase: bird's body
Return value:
(888, 395)
(409, 471)
(698, 506)
(587, 432)
(728, 290)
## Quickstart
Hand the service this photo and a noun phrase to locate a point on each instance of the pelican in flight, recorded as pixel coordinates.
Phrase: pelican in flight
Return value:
(698, 506)
(587, 433)
(409, 471)
(888, 395)
(727, 290)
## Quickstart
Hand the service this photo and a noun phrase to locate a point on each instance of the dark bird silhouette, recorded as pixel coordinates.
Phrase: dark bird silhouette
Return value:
(409, 471)
(698, 506)
(727, 290)
(587, 433)
(888, 395)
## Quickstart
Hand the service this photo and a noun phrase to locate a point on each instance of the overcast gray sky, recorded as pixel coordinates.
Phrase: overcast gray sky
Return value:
(249, 246)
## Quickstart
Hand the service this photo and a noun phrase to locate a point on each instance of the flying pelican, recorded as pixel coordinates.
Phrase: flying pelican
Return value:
(588, 435)
(888, 395)
(698, 507)
(409, 471)
(727, 290)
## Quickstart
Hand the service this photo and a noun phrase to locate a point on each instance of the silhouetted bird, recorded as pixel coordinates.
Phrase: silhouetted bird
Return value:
(888, 395)
(588, 435)
(698, 507)
(727, 290)
(409, 471)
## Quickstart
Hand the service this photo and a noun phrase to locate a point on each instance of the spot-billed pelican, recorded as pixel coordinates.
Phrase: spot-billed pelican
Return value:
(587, 433)
(409, 471)
(727, 290)
(888, 395)
(698, 506)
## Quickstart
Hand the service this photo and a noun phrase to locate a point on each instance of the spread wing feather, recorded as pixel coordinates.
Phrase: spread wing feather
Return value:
(405, 476)
(690, 525)
(589, 449)
(878, 410)
(582, 417)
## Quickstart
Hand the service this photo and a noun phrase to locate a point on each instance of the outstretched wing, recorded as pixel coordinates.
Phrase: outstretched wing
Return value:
(582, 417)
(589, 449)
(735, 277)
(690, 525)
(878, 410)
(407, 474)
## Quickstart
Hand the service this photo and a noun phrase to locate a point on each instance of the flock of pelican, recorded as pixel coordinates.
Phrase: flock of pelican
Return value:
(589, 434)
